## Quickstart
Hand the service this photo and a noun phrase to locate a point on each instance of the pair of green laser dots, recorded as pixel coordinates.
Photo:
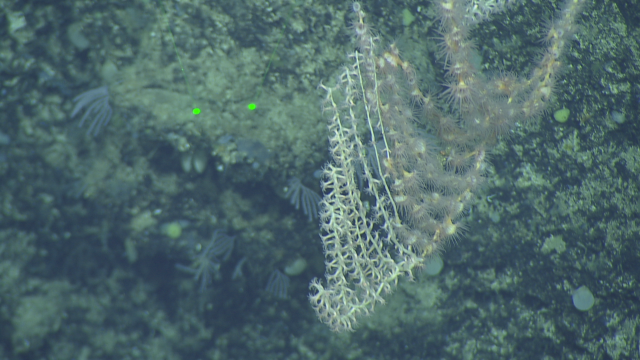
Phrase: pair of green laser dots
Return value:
(196, 110)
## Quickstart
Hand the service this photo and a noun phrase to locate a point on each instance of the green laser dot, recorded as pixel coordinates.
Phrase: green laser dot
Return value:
(251, 106)
(196, 111)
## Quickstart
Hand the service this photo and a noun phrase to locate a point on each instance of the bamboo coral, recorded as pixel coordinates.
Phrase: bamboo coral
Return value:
(420, 184)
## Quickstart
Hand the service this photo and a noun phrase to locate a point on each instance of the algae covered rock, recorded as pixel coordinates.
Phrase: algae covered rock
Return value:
(37, 316)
